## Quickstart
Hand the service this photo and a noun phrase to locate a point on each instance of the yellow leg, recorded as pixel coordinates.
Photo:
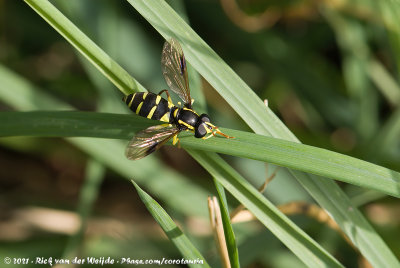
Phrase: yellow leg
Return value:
(175, 140)
(209, 136)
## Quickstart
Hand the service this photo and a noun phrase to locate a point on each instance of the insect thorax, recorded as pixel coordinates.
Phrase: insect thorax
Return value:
(185, 118)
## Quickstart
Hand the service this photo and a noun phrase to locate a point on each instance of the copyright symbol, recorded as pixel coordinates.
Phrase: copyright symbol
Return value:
(7, 260)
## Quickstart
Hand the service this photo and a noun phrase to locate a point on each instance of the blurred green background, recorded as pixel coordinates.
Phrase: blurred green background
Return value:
(329, 70)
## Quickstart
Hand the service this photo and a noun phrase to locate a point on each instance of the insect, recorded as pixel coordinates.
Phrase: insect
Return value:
(177, 119)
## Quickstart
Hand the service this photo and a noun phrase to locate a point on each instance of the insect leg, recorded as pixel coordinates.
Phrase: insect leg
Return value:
(175, 140)
(209, 136)
(167, 93)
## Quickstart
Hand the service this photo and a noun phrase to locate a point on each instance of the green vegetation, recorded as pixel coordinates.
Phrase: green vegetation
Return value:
(330, 73)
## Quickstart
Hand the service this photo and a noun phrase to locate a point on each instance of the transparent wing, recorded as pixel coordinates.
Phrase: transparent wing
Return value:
(173, 66)
(149, 140)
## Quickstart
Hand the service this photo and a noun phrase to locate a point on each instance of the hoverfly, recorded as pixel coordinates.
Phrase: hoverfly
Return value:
(153, 106)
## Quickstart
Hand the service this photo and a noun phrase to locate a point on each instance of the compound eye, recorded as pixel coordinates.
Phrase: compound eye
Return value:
(200, 131)
(204, 118)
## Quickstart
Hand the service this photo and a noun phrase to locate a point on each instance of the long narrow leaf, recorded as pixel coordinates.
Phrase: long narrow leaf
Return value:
(248, 145)
(174, 233)
(228, 229)
(88, 195)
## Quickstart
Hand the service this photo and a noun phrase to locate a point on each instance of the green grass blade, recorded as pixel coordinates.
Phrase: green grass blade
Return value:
(302, 157)
(387, 137)
(71, 124)
(87, 196)
(383, 80)
(174, 233)
(263, 121)
(247, 145)
(228, 230)
(18, 92)
(87, 47)
(390, 12)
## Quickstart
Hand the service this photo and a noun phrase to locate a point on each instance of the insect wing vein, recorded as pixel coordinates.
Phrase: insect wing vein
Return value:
(149, 140)
(174, 70)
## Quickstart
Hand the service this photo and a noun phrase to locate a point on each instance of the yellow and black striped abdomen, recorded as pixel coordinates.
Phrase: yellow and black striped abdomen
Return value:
(149, 105)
